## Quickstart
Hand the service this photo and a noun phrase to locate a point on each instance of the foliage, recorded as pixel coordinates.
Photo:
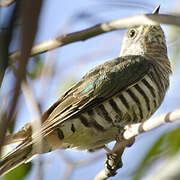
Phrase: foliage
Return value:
(18, 173)
(166, 146)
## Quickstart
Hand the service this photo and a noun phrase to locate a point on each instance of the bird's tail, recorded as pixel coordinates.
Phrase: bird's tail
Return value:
(20, 154)
(24, 151)
(15, 158)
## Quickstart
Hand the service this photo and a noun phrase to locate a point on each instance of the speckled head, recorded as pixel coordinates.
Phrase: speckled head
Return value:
(144, 40)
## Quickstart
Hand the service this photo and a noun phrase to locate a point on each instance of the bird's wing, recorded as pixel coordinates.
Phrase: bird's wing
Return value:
(95, 87)
(98, 85)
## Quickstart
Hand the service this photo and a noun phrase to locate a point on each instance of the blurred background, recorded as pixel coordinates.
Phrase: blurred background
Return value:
(53, 72)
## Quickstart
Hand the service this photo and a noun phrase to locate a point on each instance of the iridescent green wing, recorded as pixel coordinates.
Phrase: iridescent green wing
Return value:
(99, 84)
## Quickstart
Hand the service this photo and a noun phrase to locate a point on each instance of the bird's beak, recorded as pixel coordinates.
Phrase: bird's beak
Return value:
(156, 10)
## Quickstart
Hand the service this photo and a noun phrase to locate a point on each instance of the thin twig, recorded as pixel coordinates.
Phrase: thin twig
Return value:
(113, 161)
(30, 26)
(4, 119)
(135, 129)
(28, 35)
(121, 23)
(5, 39)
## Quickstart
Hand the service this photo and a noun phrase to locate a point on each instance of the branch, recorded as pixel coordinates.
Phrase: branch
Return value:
(113, 161)
(28, 36)
(135, 129)
(4, 120)
(5, 39)
(65, 39)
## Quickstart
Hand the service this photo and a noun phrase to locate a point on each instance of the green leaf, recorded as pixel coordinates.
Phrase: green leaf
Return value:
(167, 145)
(18, 173)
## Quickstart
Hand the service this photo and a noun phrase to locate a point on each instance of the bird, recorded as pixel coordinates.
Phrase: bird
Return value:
(125, 90)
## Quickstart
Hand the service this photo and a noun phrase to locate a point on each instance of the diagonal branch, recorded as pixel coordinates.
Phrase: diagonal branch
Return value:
(28, 36)
(135, 129)
(65, 39)
(113, 160)
(5, 39)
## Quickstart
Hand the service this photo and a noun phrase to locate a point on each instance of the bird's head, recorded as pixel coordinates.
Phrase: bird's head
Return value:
(144, 40)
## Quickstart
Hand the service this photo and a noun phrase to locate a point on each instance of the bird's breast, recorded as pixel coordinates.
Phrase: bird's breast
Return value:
(102, 124)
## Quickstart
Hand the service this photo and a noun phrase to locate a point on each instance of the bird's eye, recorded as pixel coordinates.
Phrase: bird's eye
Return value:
(132, 33)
